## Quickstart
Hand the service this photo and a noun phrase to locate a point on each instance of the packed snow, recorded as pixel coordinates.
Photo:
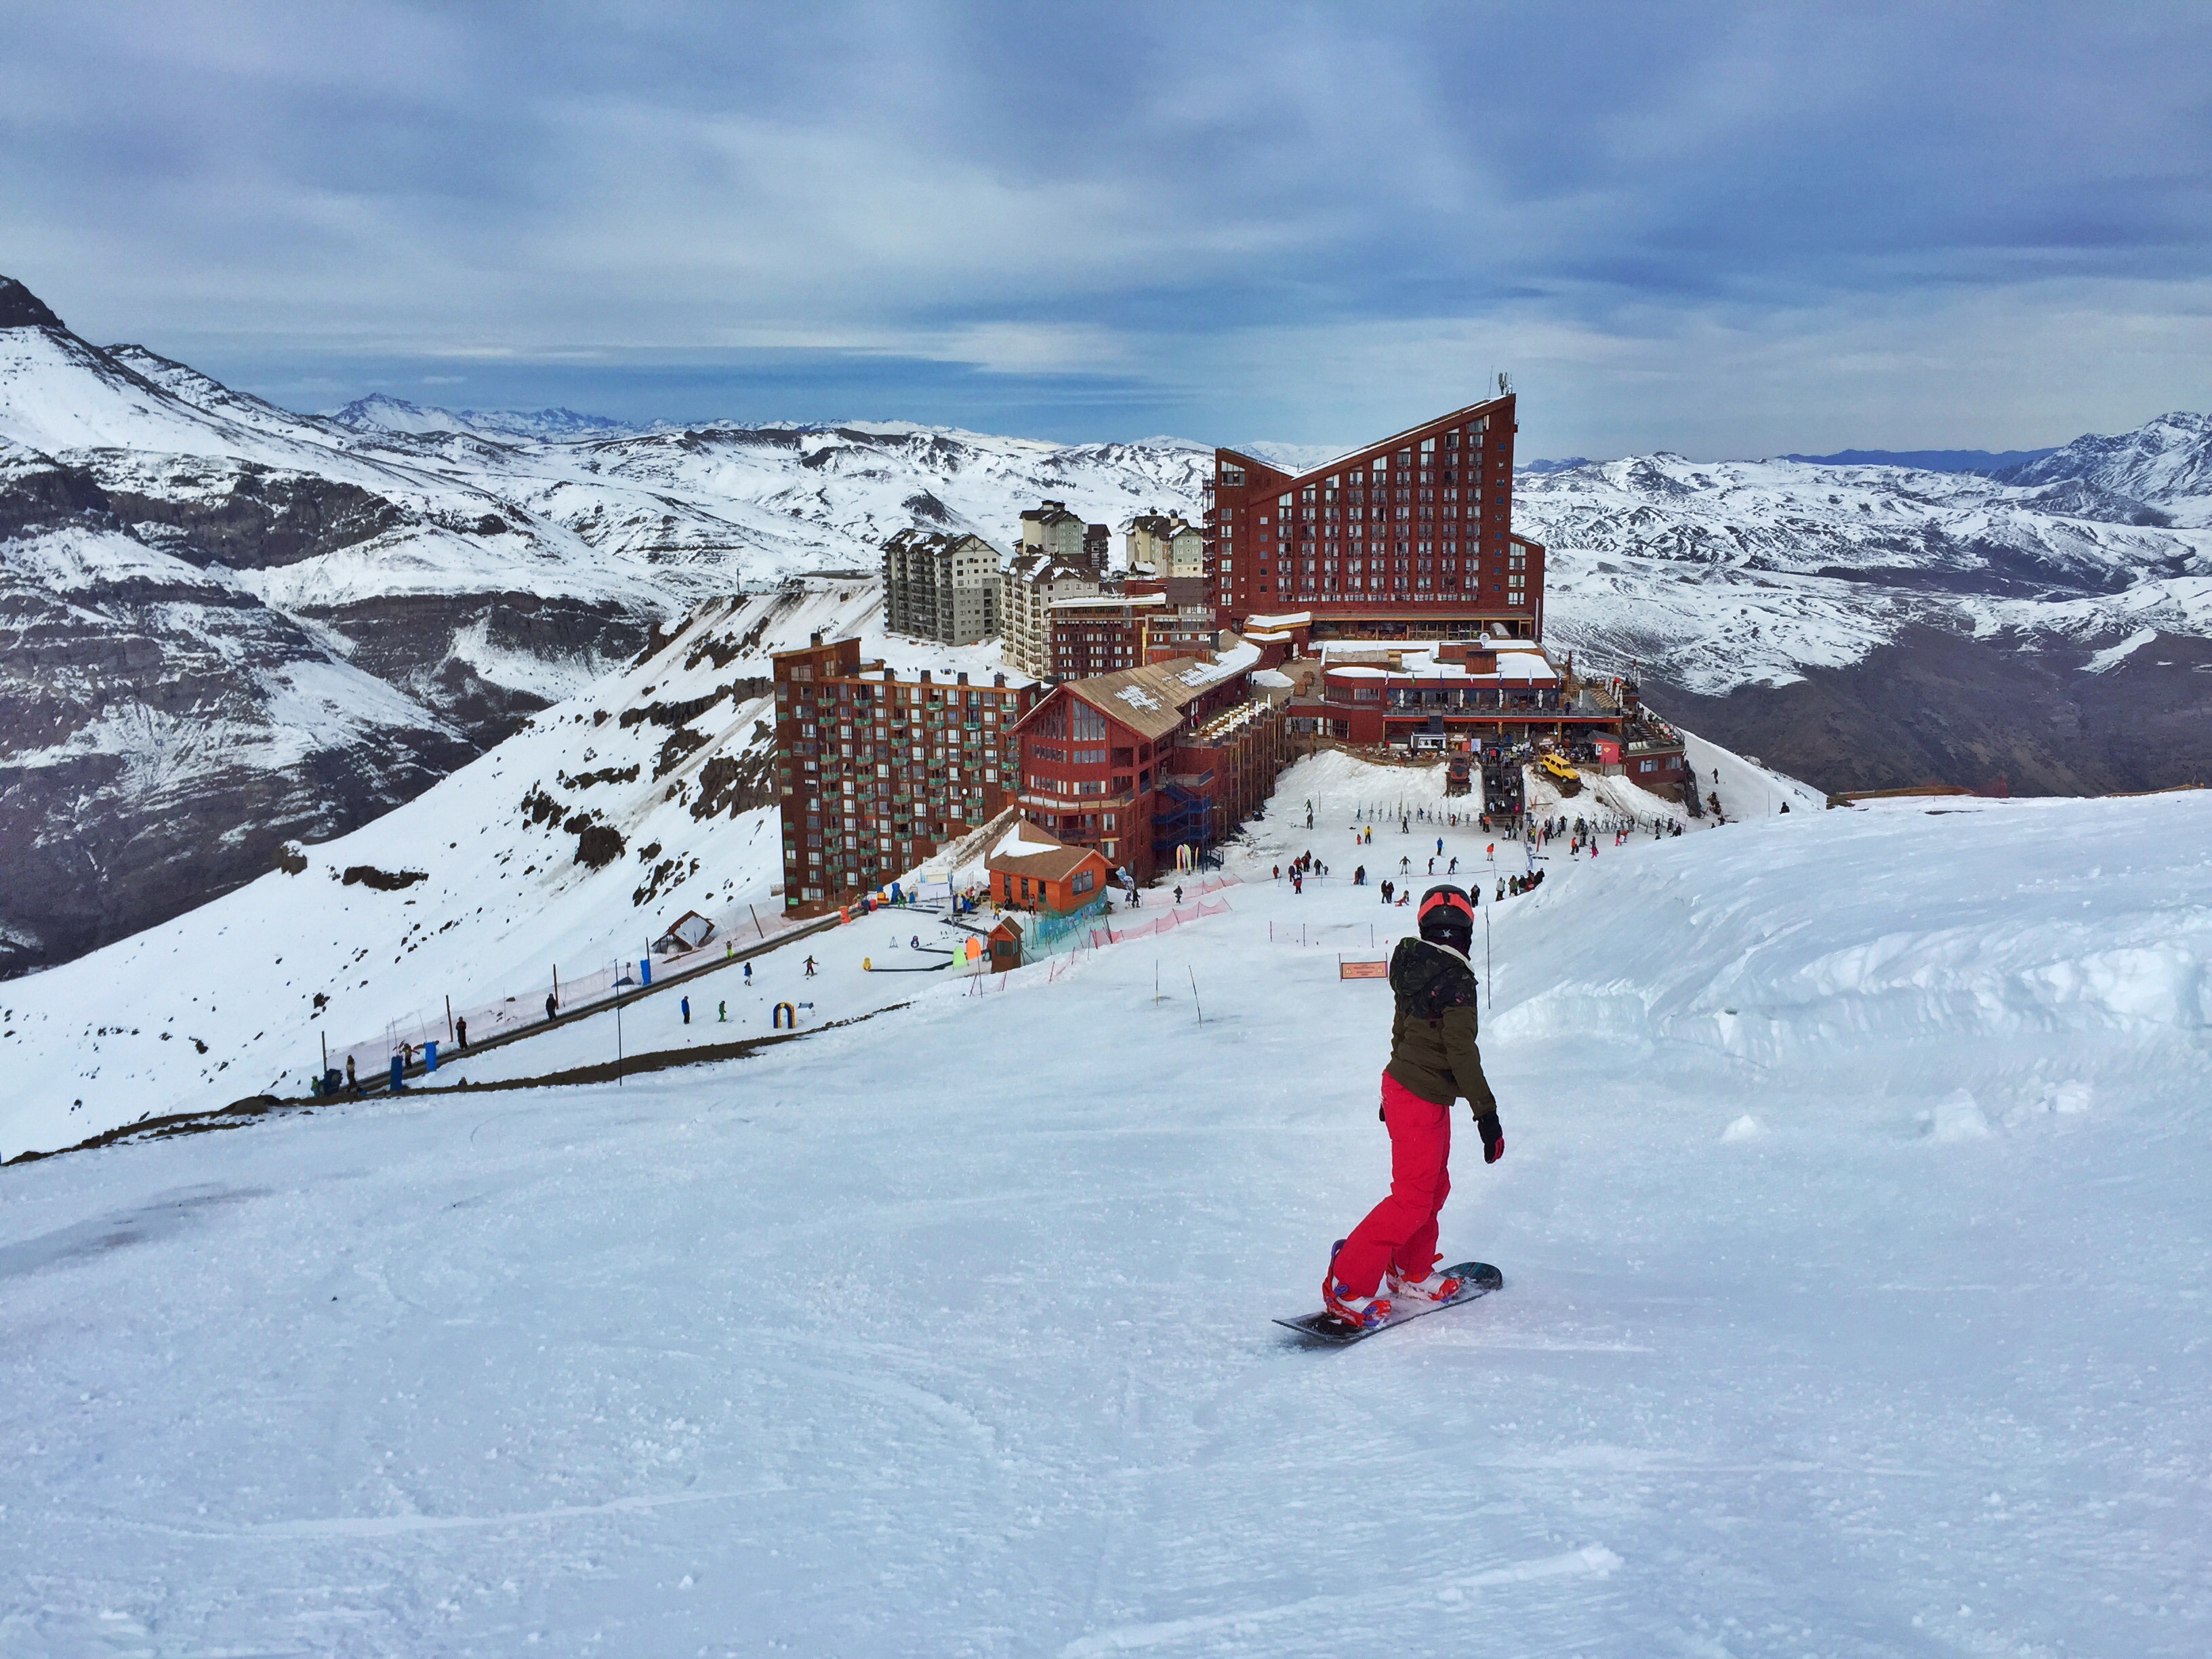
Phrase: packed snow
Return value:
(1850, 1218)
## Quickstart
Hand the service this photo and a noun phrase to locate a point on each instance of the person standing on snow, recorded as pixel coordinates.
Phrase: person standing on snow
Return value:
(1433, 1061)
(684, 1003)
(461, 1030)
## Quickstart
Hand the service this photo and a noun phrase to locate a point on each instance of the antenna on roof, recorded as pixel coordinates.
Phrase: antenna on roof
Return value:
(1504, 383)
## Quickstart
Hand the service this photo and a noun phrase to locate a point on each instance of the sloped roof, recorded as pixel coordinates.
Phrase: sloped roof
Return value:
(1038, 854)
(1149, 700)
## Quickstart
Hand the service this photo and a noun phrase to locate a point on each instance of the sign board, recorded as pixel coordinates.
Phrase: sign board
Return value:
(1361, 970)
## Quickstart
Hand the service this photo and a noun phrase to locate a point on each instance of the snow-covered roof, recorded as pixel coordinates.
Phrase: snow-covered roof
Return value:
(1236, 660)
(1110, 602)
(1282, 619)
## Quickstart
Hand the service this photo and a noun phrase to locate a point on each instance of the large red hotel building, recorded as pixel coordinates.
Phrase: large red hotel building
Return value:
(1409, 539)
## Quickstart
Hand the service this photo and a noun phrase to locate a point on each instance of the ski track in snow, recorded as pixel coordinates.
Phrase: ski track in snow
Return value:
(948, 1333)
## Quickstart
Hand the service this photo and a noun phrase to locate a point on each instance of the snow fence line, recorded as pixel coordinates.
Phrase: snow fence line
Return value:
(504, 1017)
(1159, 924)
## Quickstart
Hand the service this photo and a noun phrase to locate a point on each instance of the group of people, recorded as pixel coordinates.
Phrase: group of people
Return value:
(1301, 866)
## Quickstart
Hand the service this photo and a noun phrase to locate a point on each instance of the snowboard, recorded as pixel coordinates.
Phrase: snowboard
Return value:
(1477, 1278)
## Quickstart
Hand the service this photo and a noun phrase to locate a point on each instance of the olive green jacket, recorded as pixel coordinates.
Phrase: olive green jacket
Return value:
(1432, 1046)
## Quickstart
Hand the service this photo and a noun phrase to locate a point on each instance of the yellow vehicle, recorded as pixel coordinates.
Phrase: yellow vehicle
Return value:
(1562, 776)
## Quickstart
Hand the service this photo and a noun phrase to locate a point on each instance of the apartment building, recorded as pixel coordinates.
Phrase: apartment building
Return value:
(875, 774)
(1062, 535)
(1101, 633)
(1031, 585)
(1409, 537)
(940, 585)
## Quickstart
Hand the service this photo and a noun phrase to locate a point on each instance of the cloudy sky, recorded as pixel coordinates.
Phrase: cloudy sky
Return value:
(1724, 230)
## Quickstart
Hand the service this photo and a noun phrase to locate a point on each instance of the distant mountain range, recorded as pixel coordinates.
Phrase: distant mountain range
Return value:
(378, 413)
(224, 625)
(1987, 461)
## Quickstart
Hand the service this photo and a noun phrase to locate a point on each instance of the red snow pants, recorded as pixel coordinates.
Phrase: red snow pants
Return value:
(1402, 1228)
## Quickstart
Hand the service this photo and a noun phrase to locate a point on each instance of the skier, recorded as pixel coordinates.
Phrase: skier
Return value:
(721, 1012)
(1386, 892)
(1440, 845)
(1454, 868)
(684, 1003)
(1434, 1060)
(1432, 866)
(749, 975)
(461, 1030)
(809, 968)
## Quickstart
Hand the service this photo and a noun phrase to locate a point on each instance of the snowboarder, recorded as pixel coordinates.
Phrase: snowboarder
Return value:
(1434, 1060)
(461, 1031)
(685, 1003)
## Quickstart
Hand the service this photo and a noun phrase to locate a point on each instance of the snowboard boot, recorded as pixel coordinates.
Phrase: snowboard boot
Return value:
(1434, 1287)
(1364, 1311)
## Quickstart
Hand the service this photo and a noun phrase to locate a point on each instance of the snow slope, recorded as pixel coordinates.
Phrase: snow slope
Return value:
(672, 754)
(1851, 1220)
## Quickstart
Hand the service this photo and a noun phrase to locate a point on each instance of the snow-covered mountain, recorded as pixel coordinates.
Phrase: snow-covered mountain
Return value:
(576, 841)
(1875, 625)
(378, 413)
(2159, 473)
(227, 625)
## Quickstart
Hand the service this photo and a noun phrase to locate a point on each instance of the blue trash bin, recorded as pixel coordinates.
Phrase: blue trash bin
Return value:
(430, 1056)
(398, 1069)
(644, 972)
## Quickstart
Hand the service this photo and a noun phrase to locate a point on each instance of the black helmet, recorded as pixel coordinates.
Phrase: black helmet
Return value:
(1447, 917)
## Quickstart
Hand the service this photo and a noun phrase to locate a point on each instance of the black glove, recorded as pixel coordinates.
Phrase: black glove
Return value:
(1494, 1137)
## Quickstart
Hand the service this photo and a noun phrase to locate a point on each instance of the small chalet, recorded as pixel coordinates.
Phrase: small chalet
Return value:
(1031, 869)
(1006, 945)
(689, 931)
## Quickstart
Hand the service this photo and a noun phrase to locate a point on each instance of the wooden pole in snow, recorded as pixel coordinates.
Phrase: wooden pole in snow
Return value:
(449, 1019)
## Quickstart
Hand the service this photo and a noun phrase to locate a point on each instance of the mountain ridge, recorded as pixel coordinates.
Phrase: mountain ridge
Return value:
(439, 586)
